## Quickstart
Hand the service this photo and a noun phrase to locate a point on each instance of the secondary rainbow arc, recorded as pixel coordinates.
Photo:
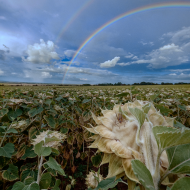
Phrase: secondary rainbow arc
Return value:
(124, 15)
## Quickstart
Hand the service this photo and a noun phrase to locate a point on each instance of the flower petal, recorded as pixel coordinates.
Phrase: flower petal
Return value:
(115, 166)
(128, 169)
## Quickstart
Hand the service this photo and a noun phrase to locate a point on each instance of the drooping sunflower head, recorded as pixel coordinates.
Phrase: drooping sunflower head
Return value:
(125, 133)
(51, 139)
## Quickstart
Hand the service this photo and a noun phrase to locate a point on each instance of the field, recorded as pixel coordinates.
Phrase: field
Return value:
(26, 111)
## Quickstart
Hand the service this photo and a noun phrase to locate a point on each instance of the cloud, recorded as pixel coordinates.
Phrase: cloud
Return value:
(129, 55)
(168, 55)
(83, 79)
(146, 43)
(41, 53)
(45, 75)
(3, 18)
(110, 63)
(172, 74)
(179, 36)
(1, 72)
(69, 53)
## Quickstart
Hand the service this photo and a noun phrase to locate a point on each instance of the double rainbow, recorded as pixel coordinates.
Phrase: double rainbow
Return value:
(124, 15)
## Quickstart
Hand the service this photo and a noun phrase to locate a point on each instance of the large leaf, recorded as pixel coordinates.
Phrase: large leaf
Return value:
(45, 181)
(108, 183)
(143, 174)
(85, 101)
(52, 163)
(179, 159)
(181, 184)
(3, 112)
(29, 172)
(146, 108)
(18, 186)
(29, 153)
(50, 120)
(139, 114)
(12, 115)
(33, 186)
(7, 150)
(42, 151)
(35, 111)
(167, 137)
(11, 173)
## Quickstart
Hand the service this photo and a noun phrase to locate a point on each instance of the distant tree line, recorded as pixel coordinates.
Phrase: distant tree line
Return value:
(141, 83)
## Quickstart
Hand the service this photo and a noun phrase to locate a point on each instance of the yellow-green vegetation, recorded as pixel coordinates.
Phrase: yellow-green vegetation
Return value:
(66, 117)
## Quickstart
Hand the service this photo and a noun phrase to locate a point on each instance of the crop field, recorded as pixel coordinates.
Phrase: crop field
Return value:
(29, 114)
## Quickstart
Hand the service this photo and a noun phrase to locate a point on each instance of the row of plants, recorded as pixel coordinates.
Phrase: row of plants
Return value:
(49, 138)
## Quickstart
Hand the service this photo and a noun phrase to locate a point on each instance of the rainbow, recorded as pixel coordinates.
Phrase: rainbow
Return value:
(73, 18)
(124, 15)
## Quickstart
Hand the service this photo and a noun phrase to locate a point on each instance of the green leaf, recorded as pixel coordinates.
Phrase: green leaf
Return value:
(42, 151)
(179, 125)
(11, 131)
(28, 180)
(179, 159)
(85, 101)
(3, 112)
(33, 186)
(167, 137)
(96, 160)
(181, 184)
(107, 183)
(52, 163)
(48, 102)
(139, 114)
(64, 130)
(50, 120)
(122, 94)
(29, 172)
(38, 148)
(146, 108)
(154, 96)
(182, 107)
(7, 150)
(165, 111)
(12, 115)
(57, 183)
(29, 153)
(11, 173)
(47, 140)
(35, 111)
(45, 181)
(143, 174)
(18, 186)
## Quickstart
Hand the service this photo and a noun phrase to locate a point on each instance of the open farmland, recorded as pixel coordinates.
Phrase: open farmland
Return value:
(26, 111)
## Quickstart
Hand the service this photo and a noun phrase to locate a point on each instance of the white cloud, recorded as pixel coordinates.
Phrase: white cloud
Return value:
(171, 47)
(3, 18)
(129, 55)
(83, 79)
(173, 74)
(69, 53)
(41, 53)
(179, 36)
(146, 43)
(1, 72)
(123, 64)
(110, 63)
(45, 75)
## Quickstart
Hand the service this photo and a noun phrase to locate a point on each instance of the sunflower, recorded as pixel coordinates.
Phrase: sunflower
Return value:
(125, 133)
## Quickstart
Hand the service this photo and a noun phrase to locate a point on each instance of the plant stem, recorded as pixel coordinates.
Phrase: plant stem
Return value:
(40, 169)
(156, 175)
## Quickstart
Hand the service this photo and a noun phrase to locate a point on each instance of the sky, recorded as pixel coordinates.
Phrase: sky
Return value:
(83, 42)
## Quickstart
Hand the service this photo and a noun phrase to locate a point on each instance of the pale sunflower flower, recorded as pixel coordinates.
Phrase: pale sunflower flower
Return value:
(116, 136)
(51, 139)
(91, 180)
